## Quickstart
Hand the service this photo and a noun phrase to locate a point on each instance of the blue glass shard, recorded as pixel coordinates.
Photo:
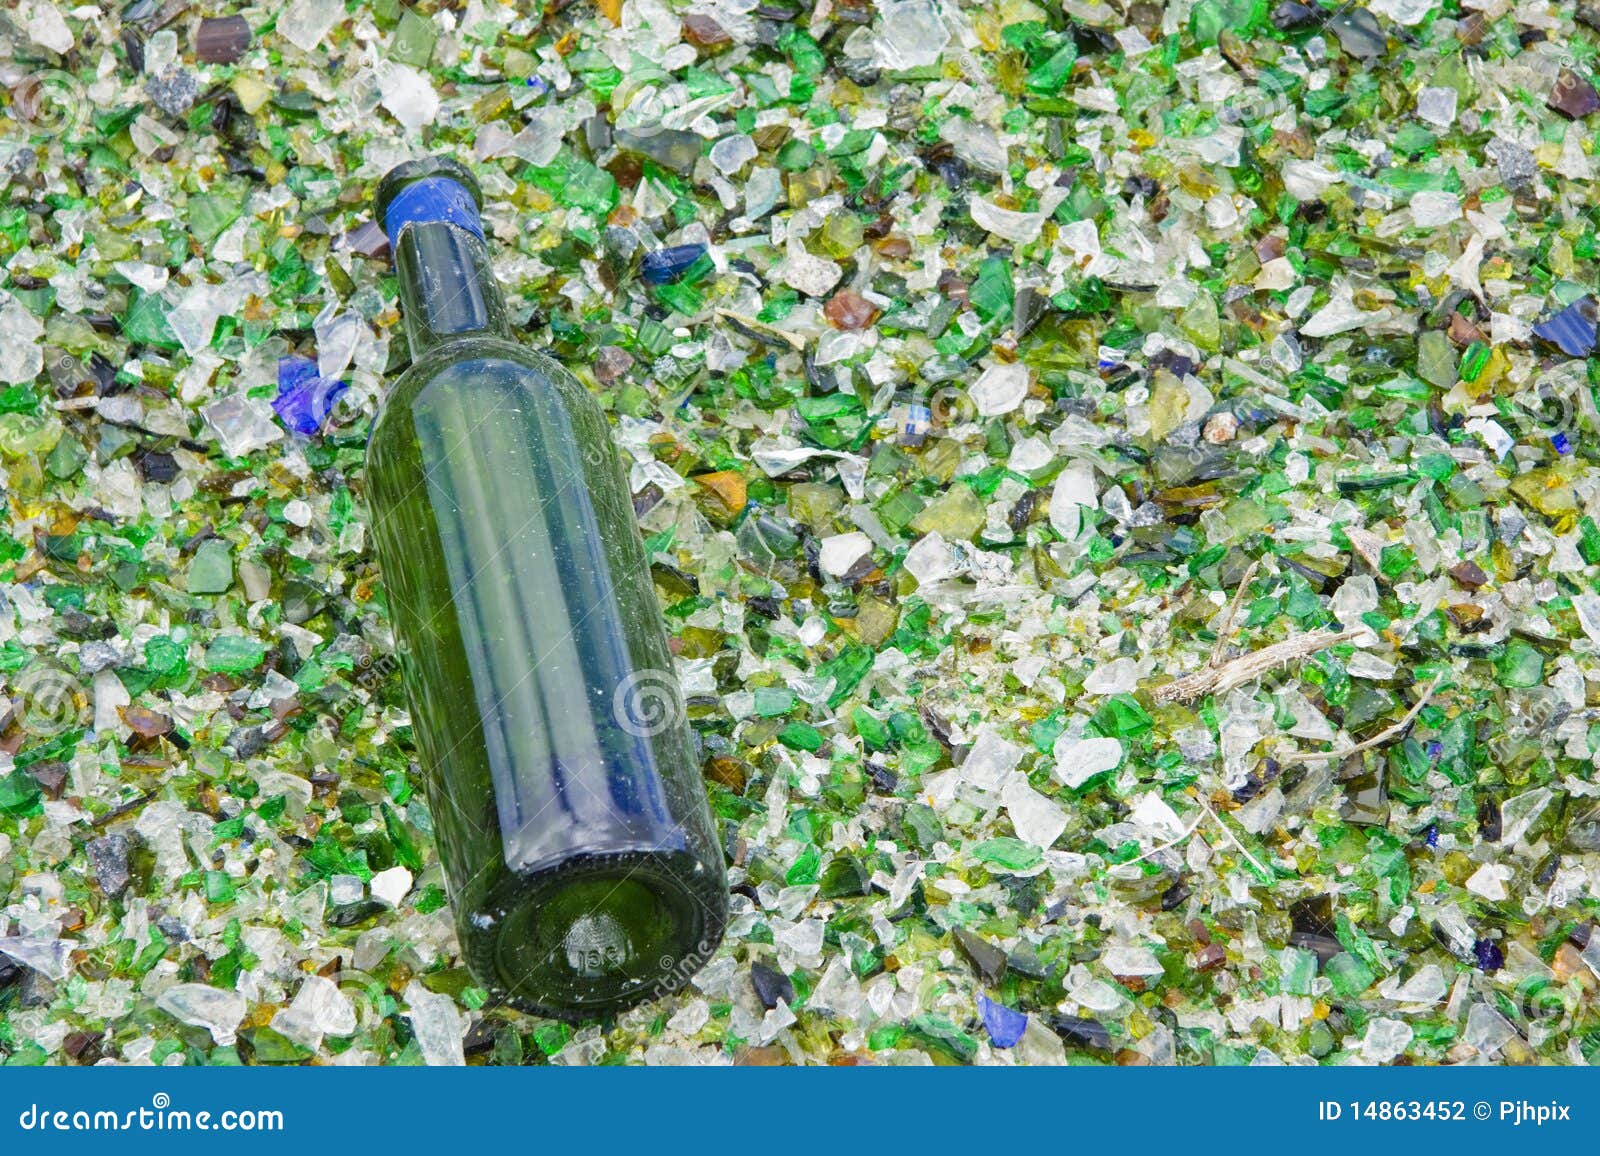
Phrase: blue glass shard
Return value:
(305, 400)
(1573, 330)
(1005, 1025)
(660, 266)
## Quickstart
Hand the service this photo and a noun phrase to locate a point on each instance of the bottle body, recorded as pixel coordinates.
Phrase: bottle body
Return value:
(570, 817)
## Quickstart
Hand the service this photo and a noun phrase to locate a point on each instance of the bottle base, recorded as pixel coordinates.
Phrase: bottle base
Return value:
(598, 934)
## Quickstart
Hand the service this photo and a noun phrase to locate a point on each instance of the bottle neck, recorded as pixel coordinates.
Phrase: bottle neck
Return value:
(447, 289)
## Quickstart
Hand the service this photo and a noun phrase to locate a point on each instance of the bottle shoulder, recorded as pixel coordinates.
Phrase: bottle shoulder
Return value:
(476, 364)
(477, 354)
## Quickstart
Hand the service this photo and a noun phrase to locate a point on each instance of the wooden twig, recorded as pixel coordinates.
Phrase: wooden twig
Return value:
(1214, 678)
(1226, 628)
(1376, 740)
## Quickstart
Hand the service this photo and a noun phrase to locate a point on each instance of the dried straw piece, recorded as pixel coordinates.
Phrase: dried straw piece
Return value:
(1213, 678)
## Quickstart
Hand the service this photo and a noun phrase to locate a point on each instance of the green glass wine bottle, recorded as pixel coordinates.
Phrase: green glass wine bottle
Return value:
(571, 819)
